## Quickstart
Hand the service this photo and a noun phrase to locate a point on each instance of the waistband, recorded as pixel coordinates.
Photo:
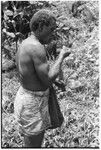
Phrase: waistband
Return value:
(35, 93)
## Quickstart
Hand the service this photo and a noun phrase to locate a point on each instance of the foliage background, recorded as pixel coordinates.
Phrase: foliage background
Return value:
(78, 28)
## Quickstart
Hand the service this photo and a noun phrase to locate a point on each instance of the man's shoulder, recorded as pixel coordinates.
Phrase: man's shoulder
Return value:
(33, 47)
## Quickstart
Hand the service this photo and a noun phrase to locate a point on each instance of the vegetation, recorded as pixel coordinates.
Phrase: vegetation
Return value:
(78, 27)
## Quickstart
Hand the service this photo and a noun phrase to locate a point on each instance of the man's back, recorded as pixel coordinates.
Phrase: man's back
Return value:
(25, 64)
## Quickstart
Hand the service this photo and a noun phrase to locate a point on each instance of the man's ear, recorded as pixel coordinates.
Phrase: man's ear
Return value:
(41, 26)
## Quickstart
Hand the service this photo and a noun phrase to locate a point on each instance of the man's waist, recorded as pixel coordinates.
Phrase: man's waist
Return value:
(35, 92)
(34, 88)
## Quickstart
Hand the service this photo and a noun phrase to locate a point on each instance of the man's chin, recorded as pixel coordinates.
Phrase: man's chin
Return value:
(47, 41)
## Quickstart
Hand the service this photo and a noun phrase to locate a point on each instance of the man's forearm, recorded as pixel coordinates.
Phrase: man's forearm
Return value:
(54, 71)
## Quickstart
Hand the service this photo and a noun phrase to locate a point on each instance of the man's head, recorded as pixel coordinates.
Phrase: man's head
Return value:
(43, 23)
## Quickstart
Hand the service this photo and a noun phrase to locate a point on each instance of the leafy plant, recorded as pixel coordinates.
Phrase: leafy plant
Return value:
(79, 98)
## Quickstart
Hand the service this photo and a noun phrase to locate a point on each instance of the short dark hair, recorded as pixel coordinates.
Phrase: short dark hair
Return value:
(40, 18)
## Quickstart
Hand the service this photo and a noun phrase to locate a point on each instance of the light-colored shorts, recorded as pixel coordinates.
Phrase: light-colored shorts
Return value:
(31, 111)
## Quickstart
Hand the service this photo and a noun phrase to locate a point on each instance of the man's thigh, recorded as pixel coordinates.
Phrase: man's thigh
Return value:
(34, 140)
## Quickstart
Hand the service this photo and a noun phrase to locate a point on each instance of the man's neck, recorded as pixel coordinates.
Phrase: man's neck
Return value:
(36, 37)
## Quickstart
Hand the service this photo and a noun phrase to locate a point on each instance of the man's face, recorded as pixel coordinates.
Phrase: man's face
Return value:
(47, 33)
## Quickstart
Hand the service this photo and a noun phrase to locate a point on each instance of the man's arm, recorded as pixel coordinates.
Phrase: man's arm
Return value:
(40, 63)
(46, 75)
(56, 68)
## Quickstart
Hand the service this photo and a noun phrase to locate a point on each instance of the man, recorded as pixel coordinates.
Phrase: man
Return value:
(31, 103)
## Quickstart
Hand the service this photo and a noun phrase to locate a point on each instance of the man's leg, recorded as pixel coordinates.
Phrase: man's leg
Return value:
(34, 140)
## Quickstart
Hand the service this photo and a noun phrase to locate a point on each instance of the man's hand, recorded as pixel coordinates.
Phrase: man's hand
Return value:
(65, 52)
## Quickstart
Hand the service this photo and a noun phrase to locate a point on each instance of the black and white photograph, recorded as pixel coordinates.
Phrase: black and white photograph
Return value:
(50, 74)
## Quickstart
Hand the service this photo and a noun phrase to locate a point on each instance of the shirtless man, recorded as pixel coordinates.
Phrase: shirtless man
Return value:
(31, 103)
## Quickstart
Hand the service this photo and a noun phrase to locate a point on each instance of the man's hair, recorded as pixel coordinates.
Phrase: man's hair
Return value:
(41, 18)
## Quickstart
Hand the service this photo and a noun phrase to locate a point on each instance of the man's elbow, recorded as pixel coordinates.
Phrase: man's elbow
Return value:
(52, 76)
